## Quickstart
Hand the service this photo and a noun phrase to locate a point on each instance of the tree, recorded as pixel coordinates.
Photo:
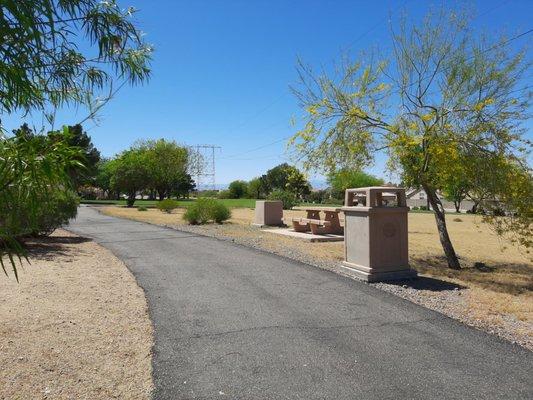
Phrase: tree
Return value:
(105, 169)
(443, 93)
(42, 65)
(286, 177)
(237, 189)
(90, 156)
(256, 189)
(345, 178)
(131, 173)
(167, 164)
(185, 185)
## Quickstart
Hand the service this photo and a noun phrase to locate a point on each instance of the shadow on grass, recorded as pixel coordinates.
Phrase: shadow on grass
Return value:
(511, 278)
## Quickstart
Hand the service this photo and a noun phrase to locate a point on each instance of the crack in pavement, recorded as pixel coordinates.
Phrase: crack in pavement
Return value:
(145, 239)
(304, 327)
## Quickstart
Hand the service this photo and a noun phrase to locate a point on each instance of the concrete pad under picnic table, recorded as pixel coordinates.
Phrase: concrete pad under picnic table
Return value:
(306, 236)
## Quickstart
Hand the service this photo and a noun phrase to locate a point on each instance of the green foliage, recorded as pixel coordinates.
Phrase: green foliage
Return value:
(204, 210)
(224, 194)
(42, 69)
(90, 156)
(105, 169)
(55, 208)
(220, 213)
(130, 173)
(34, 182)
(510, 193)
(256, 189)
(287, 178)
(343, 179)
(237, 189)
(42, 64)
(457, 102)
(167, 164)
(167, 205)
(288, 198)
(142, 208)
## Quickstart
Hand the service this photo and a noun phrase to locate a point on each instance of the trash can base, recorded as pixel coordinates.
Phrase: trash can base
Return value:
(365, 274)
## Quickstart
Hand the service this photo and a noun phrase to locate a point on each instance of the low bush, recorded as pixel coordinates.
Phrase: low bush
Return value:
(423, 208)
(204, 210)
(142, 208)
(288, 198)
(221, 213)
(167, 205)
(57, 210)
(40, 215)
(415, 208)
(457, 220)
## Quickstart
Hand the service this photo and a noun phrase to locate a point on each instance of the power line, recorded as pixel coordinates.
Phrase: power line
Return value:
(375, 26)
(256, 148)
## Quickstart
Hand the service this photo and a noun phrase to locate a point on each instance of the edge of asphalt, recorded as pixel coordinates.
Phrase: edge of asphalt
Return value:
(368, 288)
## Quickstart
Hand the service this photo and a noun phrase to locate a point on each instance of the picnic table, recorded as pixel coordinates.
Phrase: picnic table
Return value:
(314, 223)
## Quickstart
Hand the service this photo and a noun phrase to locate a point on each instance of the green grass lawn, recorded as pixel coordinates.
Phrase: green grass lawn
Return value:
(231, 203)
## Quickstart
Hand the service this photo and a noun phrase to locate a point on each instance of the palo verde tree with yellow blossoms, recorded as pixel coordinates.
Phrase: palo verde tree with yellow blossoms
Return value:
(444, 103)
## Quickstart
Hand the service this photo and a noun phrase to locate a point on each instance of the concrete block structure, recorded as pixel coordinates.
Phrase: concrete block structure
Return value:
(375, 234)
(268, 213)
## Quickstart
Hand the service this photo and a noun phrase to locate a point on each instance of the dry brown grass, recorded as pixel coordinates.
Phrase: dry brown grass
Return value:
(499, 276)
(74, 327)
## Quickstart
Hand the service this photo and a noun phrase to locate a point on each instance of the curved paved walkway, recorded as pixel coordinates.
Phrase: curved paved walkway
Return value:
(231, 322)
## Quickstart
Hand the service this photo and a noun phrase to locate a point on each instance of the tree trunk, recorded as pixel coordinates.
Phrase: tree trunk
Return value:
(457, 205)
(449, 251)
(161, 194)
(131, 199)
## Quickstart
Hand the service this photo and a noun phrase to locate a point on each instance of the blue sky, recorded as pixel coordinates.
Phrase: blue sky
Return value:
(222, 70)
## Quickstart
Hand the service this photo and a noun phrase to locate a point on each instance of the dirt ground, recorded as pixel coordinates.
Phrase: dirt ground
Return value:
(75, 326)
(496, 295)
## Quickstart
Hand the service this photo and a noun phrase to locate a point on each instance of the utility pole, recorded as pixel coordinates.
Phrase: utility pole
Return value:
(203, 166)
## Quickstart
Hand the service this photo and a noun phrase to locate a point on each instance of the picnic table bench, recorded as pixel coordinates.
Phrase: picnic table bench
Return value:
(314, 223)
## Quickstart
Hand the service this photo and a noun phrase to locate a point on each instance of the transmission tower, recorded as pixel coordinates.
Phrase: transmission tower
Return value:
(203, 166)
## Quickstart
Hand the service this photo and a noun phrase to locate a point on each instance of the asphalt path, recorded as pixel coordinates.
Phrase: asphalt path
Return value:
(235, 323)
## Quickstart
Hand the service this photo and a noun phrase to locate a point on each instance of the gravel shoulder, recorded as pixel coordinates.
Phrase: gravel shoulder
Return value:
(76, 325)
(478, 302)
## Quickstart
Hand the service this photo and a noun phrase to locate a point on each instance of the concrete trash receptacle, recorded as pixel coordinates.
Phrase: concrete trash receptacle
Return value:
(268, 213)
(375, 234)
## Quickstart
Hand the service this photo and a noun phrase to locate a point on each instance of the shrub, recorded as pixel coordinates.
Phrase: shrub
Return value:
(423, 208)
(288, 198)
(221, 213)
(41, 215)
(167, 205)
(457, 220)
(142, 208)
(57, 210)
(204, 210)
